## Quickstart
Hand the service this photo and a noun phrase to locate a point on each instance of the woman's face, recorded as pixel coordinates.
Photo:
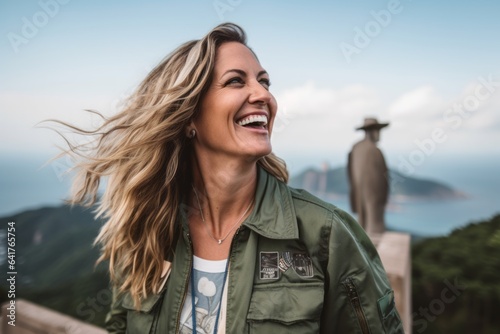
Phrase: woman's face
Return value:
(237, 112)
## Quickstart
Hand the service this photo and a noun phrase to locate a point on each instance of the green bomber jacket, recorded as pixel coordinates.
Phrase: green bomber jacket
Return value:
(296, 265)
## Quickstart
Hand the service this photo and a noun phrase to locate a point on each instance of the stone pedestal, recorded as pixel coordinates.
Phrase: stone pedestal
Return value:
(35, 319)
(395, 252)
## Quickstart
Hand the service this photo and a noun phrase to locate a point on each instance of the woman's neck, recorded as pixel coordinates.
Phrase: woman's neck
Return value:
(225, 189)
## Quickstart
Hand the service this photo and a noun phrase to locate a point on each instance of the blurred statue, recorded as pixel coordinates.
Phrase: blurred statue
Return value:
(369, 180)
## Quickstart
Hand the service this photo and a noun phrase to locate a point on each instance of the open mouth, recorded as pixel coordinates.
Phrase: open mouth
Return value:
(253, 121)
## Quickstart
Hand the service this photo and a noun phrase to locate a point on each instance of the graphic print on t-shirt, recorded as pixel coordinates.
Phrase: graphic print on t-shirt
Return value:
(208, 286)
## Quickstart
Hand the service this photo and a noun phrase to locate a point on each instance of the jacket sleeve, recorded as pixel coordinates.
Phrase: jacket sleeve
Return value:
(358, 295)
(116, 319)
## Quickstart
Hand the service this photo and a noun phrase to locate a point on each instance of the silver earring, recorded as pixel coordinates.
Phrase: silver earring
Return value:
(192, 133)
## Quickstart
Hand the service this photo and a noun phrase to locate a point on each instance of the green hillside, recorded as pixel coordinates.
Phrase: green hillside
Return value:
(456, 281)
(55, 260)
(54, 245)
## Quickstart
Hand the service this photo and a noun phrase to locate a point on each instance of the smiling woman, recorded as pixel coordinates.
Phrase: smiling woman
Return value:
(203, 233)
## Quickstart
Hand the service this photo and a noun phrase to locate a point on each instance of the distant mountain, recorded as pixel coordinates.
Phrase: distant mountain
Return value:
(53, 244)
(334, 182)
(55, 260)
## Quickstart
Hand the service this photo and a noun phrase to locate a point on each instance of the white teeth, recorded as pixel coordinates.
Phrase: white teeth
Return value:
(252, 119)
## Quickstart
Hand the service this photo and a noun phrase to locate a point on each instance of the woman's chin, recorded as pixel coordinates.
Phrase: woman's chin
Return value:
(259, 152)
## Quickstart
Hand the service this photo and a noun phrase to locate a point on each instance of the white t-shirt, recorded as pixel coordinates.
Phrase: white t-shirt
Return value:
(209, 283)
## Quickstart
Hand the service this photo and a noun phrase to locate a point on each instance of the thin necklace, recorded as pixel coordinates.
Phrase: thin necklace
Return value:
(219, 241)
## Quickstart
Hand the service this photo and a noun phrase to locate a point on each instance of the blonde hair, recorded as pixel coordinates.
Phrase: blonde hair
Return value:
(145, 153)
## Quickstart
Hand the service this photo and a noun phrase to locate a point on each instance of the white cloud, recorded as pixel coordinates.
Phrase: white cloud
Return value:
(322, 120)
(312, 119)
(306, 100)
(422, 104)
(309, 100)
(21, 112)
(486, 116)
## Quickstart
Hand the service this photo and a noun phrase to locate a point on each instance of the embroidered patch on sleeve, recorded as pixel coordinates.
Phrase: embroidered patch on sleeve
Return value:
(269, 265)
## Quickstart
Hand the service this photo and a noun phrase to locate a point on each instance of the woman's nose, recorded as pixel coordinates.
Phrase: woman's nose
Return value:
(259, 94)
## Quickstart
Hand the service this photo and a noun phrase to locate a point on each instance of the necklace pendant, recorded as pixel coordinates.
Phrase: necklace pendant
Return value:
(219, 241)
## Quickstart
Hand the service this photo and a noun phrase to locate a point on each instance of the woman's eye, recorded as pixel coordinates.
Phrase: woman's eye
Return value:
(265, 82)
(235, 80)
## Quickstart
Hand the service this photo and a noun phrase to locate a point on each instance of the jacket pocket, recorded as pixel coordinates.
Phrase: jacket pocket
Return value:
(286, 308)
(141, 321)
(389, 315)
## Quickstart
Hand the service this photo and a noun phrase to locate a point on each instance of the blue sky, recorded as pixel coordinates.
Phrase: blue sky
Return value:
(418, 63)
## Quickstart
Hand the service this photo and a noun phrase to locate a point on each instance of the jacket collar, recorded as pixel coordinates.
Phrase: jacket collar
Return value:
(273, 215)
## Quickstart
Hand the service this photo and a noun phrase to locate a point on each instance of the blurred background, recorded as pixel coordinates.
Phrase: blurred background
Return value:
(430, 69)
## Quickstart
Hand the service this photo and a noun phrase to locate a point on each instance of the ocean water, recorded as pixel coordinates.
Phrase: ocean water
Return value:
(25, 185)
(431, 218)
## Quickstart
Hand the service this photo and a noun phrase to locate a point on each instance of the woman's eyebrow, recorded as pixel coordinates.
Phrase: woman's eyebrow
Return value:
(240, 72)
(243, 73)
(262, 73)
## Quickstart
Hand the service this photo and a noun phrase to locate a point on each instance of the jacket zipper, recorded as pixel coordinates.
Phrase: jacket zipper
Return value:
(186, 282)
(356, 304)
